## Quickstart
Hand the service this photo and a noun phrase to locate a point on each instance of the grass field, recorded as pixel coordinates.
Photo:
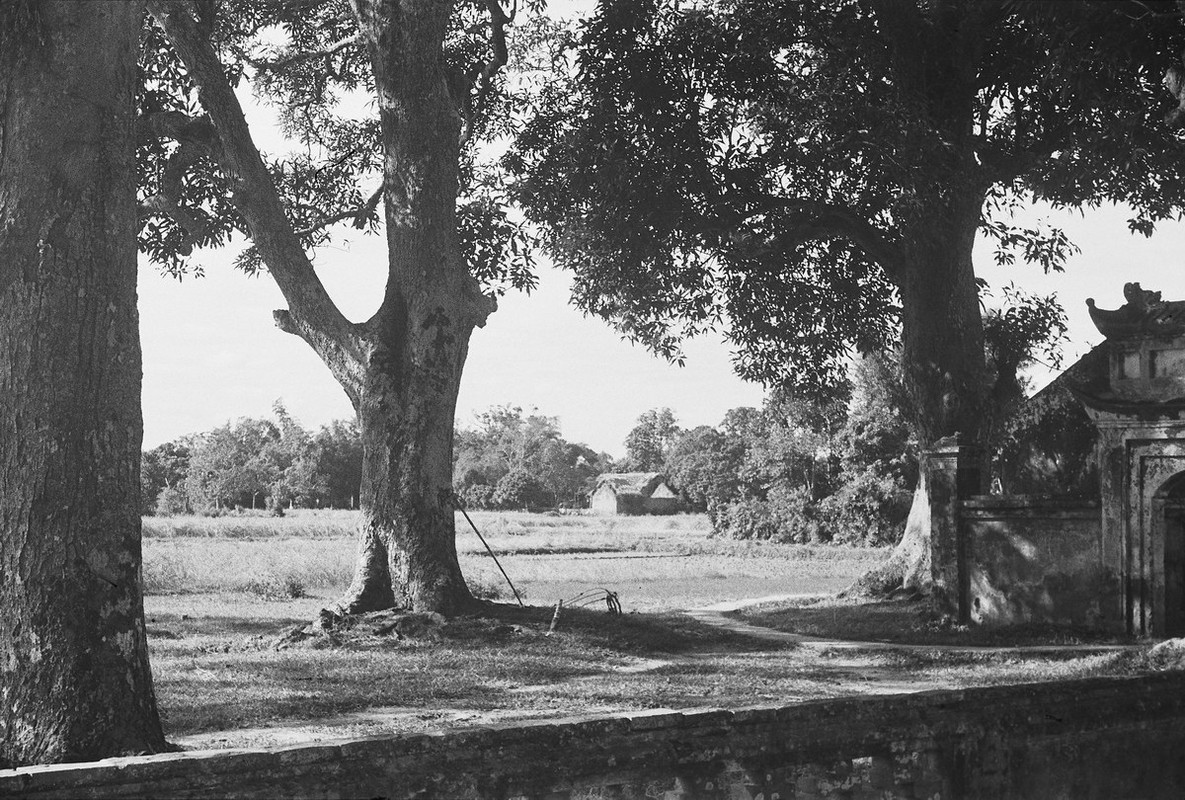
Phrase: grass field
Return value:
(222, 591)
(653, 563)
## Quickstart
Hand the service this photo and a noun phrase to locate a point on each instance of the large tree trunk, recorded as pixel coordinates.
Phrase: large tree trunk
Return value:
(402, 368)
(944, 373)
(421, 332)
(74, 676)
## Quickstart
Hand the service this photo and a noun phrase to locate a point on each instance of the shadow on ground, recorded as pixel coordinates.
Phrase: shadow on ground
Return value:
(909, 622)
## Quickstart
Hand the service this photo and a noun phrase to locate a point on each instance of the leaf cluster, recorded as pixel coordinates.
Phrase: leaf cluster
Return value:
(512, 460)
(305, 61)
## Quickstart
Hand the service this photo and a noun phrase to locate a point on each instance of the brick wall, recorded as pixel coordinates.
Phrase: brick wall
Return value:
(1099, 738)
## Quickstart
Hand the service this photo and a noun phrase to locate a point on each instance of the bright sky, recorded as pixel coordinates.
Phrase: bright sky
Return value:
(212, 354)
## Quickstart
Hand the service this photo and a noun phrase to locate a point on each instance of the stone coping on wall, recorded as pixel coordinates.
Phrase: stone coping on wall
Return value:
(546, 758)
(1031, 504)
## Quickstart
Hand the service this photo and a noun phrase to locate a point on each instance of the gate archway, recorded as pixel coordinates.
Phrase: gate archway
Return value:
(1168, 618)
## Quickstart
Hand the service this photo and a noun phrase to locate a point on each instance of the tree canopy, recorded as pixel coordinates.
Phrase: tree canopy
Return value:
(812, 176)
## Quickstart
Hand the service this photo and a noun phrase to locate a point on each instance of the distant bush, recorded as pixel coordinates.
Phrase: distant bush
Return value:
(519, 489)
(171, 502)
(287, 586)
(748, 518)
(868, 509)
(795, 516)
(477, 495)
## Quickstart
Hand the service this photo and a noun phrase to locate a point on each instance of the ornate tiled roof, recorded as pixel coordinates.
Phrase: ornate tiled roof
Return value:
(1143, 314)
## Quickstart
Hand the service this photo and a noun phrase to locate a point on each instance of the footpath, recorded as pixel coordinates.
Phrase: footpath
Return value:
(717, 615)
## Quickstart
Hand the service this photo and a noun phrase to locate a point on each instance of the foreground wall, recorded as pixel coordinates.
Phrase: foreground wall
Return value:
(1038, 559)
(1102, 738)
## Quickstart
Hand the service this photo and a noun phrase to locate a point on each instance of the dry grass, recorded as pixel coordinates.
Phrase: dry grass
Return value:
(305, 524)
(652, 562)
(221, 684)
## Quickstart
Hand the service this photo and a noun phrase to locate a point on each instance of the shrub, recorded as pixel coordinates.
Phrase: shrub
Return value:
(748, 518)
(283, 586)
(172, 502)
(794, 516)
(520, 489)
(868, 509)
(477, 495)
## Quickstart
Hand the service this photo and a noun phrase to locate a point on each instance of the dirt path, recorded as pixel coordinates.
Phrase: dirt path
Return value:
(716, 615)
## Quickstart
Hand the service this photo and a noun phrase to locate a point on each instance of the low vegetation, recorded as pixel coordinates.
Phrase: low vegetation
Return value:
(651, 562)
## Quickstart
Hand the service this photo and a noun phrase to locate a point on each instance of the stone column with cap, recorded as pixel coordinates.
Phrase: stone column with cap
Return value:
(956, 470)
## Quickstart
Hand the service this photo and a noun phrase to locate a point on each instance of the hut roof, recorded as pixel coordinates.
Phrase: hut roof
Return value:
(640, 483)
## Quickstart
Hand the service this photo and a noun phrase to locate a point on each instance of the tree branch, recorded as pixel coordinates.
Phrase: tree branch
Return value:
(312, 313)
(282, 63)
(197, 138)
(359, 215)
(482, 77)
(810, 221)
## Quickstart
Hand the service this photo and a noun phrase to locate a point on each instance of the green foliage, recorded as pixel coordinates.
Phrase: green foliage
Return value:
(231, 466)
(512, 460)
(308, 62)
(519, 489)
(705, 465)
(254, 463)
(337, 451)
(171, 502)
(746, 518)
(807, 468)
(779, 166)
(164, 468)
(649, 442)
(1049, 446)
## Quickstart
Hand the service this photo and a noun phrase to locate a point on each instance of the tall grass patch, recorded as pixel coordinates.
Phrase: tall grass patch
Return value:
(274, 567)
(304, 523)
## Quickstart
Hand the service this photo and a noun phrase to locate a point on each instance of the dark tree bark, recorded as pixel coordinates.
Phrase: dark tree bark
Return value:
(402, 368)
(74, 676)
(935, 60)
(945, 375)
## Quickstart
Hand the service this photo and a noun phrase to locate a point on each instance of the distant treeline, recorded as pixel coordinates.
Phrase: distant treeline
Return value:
(254, 463)
(808, 470)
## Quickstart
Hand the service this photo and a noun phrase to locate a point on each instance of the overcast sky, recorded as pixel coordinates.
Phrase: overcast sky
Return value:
(212, 354)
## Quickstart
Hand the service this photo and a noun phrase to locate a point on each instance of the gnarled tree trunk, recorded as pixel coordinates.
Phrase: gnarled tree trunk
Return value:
(421, 332)
(944, 372)
(74, 676)
(402, 368)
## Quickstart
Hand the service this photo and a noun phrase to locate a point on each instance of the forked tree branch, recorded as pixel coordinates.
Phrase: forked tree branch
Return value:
(312, 313)
(359, 215)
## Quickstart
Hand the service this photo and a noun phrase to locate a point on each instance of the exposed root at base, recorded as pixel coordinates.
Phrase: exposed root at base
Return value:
(387, 627)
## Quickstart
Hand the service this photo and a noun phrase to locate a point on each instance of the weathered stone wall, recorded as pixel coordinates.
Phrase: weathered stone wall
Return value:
(1101, 738)
(1038, 559)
